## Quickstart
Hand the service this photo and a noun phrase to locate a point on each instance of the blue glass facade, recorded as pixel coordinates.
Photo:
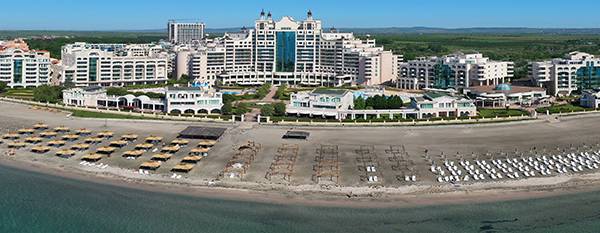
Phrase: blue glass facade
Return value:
(93, 71)
(444, 77)
(286, 52)
(588, 77)
(18, 71)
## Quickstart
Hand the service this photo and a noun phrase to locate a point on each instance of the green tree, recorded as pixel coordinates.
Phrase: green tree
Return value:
(118, 91)
(227, 109)
(3, 87)
(359, 103)
(281, 93)
(46, 93)
(279, 109)
(263, 90)
(267, 110)
(394, 102)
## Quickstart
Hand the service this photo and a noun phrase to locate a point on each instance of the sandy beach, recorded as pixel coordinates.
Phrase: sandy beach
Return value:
(349, 191)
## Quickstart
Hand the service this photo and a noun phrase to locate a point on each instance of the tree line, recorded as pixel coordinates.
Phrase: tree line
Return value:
(378, 102)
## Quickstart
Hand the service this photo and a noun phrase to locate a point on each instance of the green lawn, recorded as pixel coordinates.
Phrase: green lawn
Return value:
(563, 108)
(490, 113)
(19, 93)
(89, 114)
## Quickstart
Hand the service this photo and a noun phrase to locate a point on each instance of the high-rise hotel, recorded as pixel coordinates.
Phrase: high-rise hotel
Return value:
(114, 64)
(185, 33)
(453, 71)
(288, 52)
(21, 67)
(575, 72)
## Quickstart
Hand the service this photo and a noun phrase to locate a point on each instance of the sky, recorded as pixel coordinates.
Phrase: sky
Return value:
(153, 14)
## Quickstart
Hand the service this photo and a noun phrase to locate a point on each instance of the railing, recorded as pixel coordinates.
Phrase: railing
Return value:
(402, 122)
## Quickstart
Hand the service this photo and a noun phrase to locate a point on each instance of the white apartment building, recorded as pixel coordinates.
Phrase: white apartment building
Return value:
(320, 102)
(185, 33)
(577, 71)
(453, 71)
(590, 99)
(114, 64)
(177, 100)
(192, 100)
(289, 52)
(24, 68)
(439, 104)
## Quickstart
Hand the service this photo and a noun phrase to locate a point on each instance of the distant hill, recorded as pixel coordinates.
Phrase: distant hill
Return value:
(386, 30)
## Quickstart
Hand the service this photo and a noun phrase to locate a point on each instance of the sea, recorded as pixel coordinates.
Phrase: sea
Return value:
(36, 202)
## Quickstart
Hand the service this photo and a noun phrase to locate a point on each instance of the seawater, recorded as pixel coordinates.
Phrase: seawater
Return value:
(36, 202)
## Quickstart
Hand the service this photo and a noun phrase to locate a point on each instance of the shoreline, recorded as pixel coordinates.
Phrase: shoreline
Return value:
(478, 195)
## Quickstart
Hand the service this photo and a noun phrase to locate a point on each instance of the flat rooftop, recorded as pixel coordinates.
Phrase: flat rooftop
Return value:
(197, 132)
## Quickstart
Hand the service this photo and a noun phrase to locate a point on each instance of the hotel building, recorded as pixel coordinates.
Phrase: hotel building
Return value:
(453, 71)
(339, 104)
(185, 33)
(562, 76)
(177, 100)
(114, 64)
(289, 52)
(24, 68)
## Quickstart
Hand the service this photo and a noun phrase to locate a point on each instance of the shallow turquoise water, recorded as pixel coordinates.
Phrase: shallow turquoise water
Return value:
(34, 202)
